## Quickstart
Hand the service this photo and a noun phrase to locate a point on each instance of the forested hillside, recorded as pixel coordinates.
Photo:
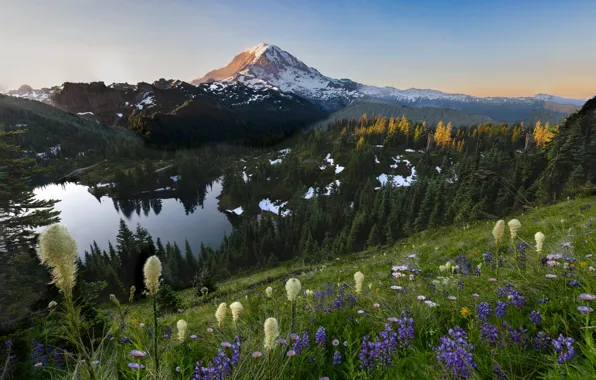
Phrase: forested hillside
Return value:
(373, 181)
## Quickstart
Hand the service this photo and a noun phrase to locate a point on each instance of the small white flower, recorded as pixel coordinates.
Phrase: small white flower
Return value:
(421, 298)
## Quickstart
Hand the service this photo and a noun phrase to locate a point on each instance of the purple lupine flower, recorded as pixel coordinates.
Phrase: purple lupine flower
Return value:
(575, 283)
(535, 317)
(489, 333)
(336, 358)
(405, 333)
(168, 332)
(543, 301)
(321, 336)
(380, 352)
(564, 347)
(504, 291)
(517, 299)
(220, 366)
(483, 310)
(454, 354)
(500, 309)
(499, 372)
(125, 339)
(236, 350)
(541, 342)
(488, 258)
(364, 354)
(517, 336)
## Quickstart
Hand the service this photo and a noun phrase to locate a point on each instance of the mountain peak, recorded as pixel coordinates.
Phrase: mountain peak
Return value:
(260, 49)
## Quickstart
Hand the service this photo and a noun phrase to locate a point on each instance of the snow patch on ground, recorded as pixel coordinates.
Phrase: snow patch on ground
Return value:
(267, 205)
(148, 101)
(339, 169)
(275, 162)
(438, 169)
(237, 211)
(111, 184)
(410, 151)
(85, 113)
(285, 151)
(329, 159)
(377, 160)
(175, 178)
(310, 193)
(398, 180)
(399, 159)
(119, 114)
(330, 186)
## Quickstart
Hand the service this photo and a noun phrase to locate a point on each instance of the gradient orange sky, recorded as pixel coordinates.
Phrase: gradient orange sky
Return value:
(504, 48)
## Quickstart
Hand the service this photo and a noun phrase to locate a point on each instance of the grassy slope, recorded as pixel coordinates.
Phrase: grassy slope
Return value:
(561, 223)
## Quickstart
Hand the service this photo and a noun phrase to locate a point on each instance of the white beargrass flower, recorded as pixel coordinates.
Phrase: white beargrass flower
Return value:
(182, 325)
(58, 251)
(220, 314)
(271, 333)
(114, 300)
(151, 273)
(293, 288)
(236, 308)
(269, 291)
(514, 226)
(52, 304)
(499, 231)
(131, 296)
(359, 279)
(539, 237)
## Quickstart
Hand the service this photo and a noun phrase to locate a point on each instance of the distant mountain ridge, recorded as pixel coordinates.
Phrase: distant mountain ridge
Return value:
(173, 111)
(266, 90)
(270, 66)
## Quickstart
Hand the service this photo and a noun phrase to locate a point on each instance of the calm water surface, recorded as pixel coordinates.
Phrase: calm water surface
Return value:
(89, 218)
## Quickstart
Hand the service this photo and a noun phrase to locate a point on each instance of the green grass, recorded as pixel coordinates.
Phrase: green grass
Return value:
(563, 224)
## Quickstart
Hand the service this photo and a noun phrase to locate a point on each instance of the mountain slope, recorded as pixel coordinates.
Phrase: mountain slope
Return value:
(270, 66)
(172, 111)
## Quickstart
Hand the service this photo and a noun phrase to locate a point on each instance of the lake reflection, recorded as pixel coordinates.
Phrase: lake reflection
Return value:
(193, 217)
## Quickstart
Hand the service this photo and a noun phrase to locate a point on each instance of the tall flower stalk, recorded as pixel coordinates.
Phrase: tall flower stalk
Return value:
(58, 252)
(152, 273)
(514, 226)
(498, 232)
(293, 287)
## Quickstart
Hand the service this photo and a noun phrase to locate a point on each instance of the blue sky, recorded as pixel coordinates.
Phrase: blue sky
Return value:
(478, 47)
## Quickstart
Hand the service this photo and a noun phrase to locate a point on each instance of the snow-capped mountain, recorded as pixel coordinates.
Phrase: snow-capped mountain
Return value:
(270, 66)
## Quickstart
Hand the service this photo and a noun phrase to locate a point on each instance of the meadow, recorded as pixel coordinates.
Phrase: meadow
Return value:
(435, 305)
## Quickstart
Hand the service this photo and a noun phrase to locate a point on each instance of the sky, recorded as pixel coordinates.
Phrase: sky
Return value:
(477, 47)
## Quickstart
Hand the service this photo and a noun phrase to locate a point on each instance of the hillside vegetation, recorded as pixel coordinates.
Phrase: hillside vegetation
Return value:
(432, 305)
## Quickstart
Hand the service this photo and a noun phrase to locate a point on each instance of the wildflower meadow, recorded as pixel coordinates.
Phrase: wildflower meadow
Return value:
(487, 300)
